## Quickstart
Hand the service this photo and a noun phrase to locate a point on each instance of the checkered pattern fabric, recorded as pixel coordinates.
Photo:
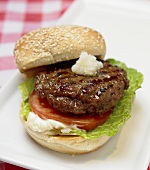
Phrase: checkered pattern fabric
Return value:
(18, 17)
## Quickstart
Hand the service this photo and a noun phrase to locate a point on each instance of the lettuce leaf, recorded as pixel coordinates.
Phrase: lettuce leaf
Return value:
(26, 88)
(121, 111)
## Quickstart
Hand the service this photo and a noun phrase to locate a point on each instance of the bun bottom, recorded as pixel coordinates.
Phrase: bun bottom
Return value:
(66, 144)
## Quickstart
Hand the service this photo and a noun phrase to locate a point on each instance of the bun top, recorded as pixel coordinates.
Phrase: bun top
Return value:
(50, 45)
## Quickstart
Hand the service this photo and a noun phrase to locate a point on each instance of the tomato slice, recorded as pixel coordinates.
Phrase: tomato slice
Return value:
(44, 110)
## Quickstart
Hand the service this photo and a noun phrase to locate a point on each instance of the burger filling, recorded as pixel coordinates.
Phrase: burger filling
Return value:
(84, 101)
(83, 105)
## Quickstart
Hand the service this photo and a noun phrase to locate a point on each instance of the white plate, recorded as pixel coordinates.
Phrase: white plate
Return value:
(126, 29)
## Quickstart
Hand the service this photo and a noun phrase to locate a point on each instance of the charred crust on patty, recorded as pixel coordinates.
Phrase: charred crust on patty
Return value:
(70, 93)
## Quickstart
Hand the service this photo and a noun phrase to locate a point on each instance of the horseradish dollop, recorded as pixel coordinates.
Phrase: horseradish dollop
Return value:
(86, 65)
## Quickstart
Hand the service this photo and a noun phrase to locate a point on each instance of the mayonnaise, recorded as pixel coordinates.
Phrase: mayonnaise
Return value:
(87, 65)
(39, 125)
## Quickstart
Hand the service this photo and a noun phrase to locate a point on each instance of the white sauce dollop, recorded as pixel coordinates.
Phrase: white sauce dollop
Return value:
(39, 125)
(87, 65)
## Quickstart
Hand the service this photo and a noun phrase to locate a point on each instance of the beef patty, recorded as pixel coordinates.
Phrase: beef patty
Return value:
(75, 94)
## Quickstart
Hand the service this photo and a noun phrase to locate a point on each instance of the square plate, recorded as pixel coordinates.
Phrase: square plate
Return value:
(125, 27)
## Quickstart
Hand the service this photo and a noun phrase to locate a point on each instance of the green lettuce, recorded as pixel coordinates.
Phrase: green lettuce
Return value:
(26, 89)
(121, 111)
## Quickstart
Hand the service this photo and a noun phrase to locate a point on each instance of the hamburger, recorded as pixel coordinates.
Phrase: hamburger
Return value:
(73, 101)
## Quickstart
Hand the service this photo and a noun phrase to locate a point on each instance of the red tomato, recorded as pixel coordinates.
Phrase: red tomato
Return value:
(44, 110)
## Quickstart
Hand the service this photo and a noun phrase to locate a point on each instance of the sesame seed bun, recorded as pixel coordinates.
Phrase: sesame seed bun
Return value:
(65, 144)
(50, 45)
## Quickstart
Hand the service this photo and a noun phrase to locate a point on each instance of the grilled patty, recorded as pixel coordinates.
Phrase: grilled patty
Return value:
(70, 93)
